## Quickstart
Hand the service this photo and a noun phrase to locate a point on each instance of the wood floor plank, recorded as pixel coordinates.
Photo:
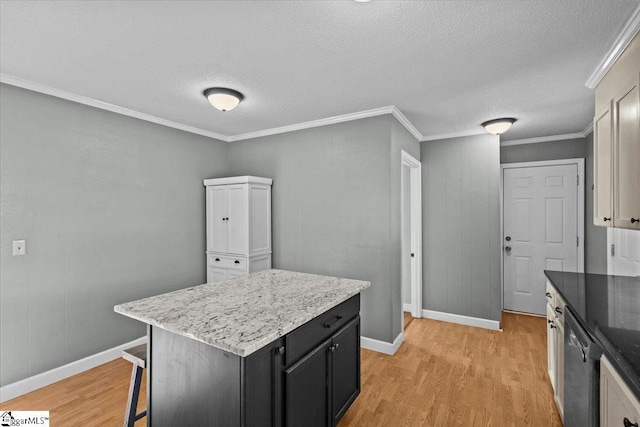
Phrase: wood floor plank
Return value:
(443, 375)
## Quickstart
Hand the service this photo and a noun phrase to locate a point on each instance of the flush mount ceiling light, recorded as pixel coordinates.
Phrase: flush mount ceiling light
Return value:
(222, 98)
(498, 126)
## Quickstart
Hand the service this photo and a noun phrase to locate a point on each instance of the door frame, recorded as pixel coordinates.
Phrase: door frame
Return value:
(581, 200)
(415, 177)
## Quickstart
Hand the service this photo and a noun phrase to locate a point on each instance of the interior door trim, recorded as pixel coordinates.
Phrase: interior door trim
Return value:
(581, 195)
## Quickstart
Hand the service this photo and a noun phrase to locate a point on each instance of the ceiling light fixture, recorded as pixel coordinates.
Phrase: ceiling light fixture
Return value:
(498, 126)
(222, 98)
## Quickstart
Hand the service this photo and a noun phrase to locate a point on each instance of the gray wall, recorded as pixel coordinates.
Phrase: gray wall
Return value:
(595, 248)
(330, 211)
(580, 148)
(112, 209)
(401, 140)
(553, 150)
(461, 226)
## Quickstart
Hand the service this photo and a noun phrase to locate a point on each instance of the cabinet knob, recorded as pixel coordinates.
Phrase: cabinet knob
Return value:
(280, 351)
(628, 423)
(606, 219)
(632, 221)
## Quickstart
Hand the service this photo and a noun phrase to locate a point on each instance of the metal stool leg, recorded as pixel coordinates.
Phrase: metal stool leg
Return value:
(130, 416)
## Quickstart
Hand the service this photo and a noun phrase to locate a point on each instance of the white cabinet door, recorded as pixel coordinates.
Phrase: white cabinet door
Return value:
(626, 139)
(617, 402)
(551, 346)
(603, 183)
(559, 367)
(237, 212)
(216, 219)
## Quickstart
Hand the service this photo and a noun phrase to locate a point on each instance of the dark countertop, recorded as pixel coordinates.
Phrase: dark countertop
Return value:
(608, 307)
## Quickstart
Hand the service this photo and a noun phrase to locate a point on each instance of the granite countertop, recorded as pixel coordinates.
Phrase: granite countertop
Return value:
(608, 308)
(244, 314)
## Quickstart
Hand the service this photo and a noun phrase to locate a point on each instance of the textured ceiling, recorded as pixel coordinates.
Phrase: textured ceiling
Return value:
(447, 65)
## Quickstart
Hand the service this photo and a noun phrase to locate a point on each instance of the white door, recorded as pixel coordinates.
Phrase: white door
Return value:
(217, 219)
(540, 231)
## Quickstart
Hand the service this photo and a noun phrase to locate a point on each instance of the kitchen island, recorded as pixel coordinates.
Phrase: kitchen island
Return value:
(271, 348)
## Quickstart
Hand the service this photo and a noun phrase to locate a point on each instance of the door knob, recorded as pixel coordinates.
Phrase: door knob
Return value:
(508, 249)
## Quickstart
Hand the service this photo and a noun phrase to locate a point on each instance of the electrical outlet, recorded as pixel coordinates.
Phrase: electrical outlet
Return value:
(19, 247)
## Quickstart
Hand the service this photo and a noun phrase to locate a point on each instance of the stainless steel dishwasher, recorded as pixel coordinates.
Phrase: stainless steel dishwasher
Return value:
(581, 375)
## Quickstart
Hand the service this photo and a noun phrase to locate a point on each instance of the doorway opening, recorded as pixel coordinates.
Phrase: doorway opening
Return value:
(411, 238)
(542, 228)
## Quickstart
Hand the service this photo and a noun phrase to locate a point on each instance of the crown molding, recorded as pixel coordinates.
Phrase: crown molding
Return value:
(622, 40)
(549, 138)
(392, 109)
(406, 123)
(59, 93)
(454, 135)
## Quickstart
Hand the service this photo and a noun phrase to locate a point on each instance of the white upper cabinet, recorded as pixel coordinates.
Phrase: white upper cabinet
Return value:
(627, 157)
(239, 215)
(603, 182)
(617, 143)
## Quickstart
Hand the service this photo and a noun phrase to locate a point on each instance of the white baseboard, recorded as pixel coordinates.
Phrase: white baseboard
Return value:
(35, 382)
(382, 346)
(407, 307)
(463, 320)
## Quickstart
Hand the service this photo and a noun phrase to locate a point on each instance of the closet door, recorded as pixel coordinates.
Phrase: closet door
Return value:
(603, 183)
(237, 212)
(216, 219)
(627, 157)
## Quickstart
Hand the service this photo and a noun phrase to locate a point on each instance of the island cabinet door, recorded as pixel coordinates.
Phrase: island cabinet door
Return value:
(306, 390)
(345, 368)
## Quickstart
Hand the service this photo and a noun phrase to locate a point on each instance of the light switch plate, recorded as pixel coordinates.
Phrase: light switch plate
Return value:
(19, 247)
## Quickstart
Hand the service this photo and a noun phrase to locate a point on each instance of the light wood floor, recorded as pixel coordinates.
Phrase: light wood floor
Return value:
(408, 318)
(443, 375)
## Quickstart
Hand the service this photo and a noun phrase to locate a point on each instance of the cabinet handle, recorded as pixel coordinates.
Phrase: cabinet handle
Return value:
(628, 423)
(217, 259)
(328, 325)
(551, 325)
(334, 347)
(558, 310)
(548, 295)
(237, 262)
(632, 221)
(606, 219)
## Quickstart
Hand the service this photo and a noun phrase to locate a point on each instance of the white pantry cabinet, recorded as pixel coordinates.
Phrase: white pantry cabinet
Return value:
(618, 405)
(238, 214)
(617, 143)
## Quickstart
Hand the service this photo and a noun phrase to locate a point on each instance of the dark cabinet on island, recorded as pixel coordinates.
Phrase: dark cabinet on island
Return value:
(308, 375)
